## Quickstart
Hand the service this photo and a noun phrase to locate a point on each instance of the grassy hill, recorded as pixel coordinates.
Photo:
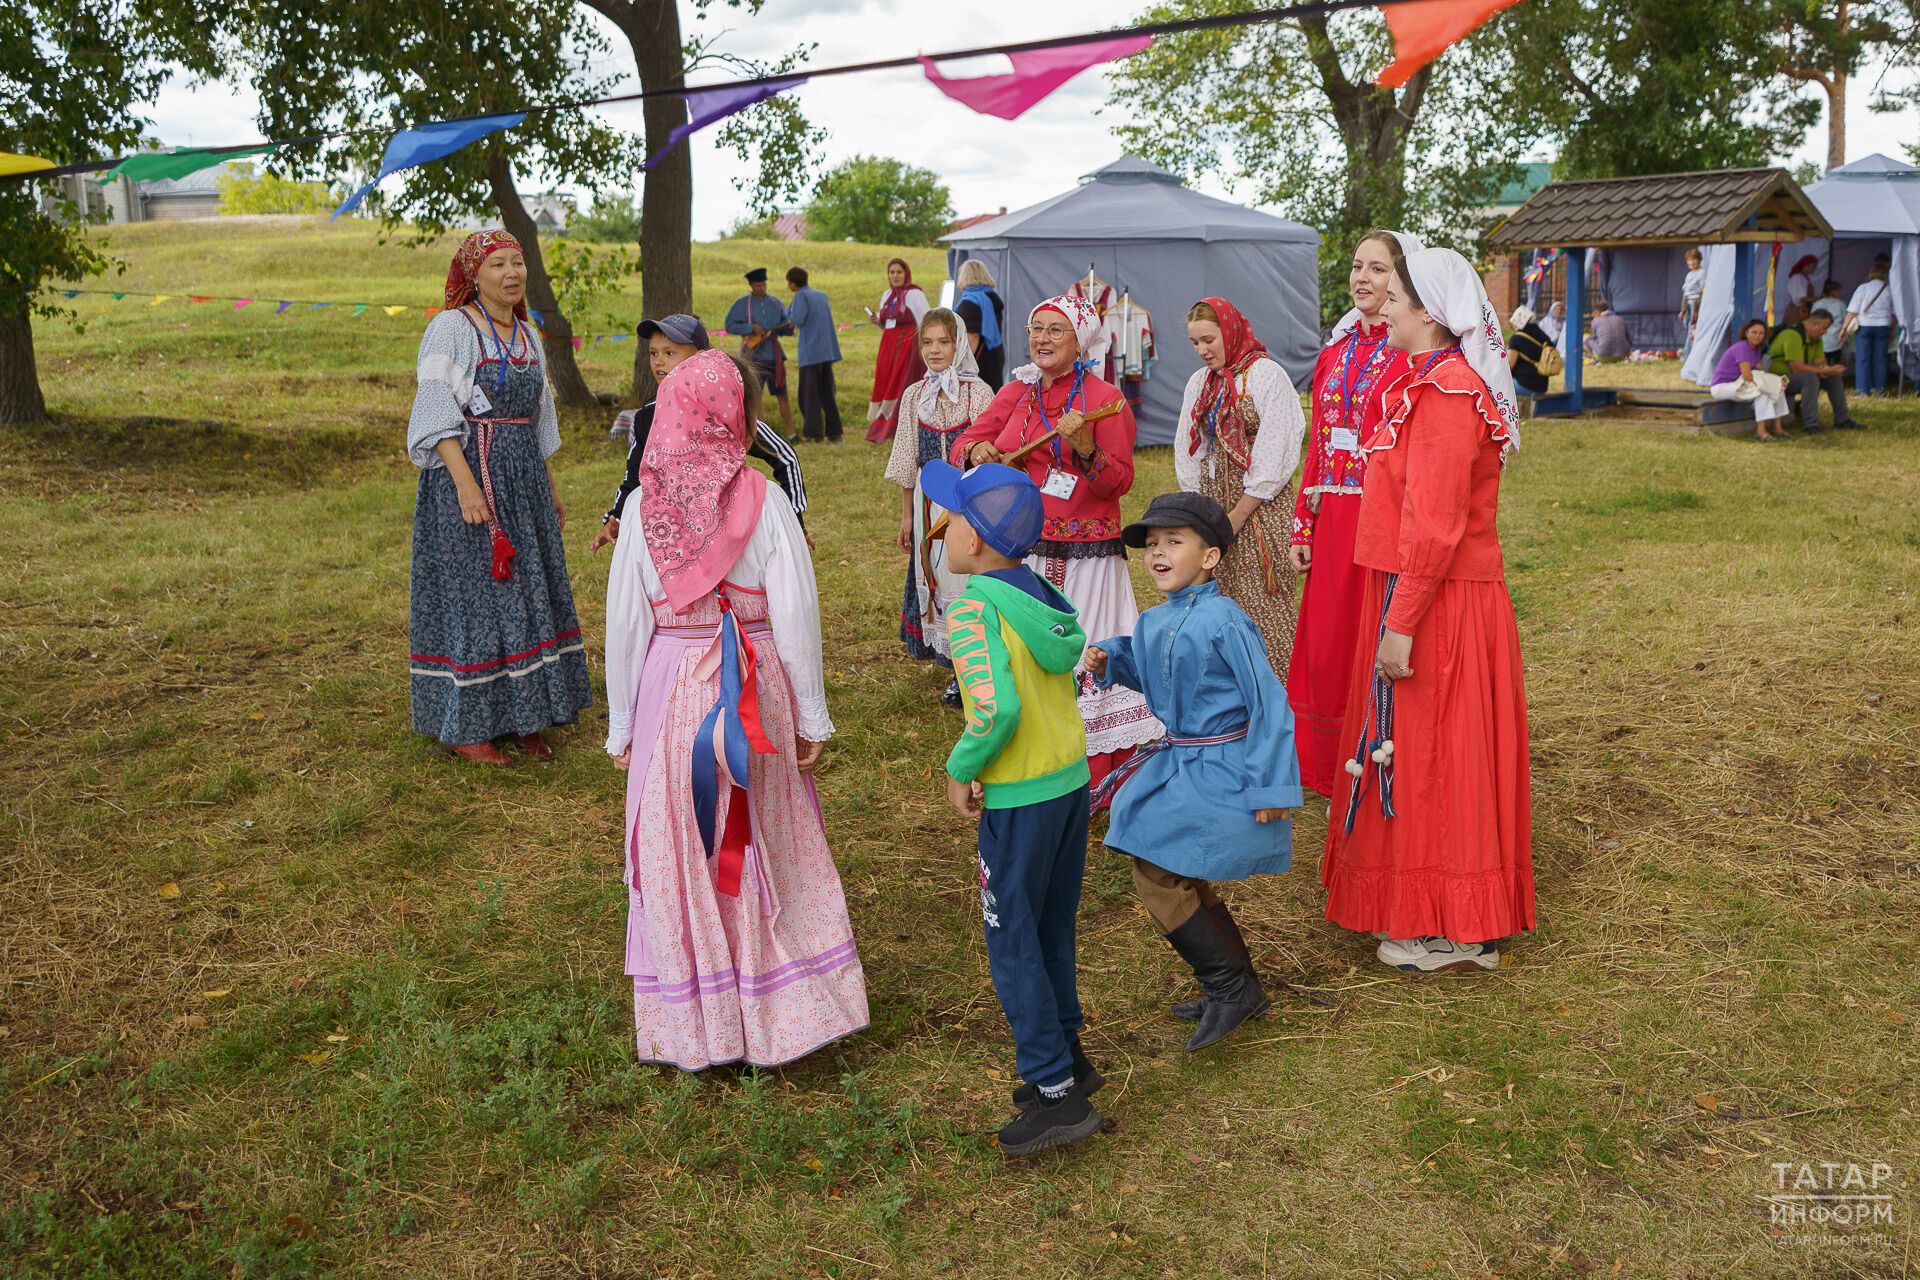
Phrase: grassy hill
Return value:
(282, 994)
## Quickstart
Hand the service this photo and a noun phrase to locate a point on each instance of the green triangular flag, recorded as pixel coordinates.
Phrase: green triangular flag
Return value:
(118, 296)
(358, 307)
(178, 164)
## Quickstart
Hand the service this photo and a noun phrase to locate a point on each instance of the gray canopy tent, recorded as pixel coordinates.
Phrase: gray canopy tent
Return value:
(1146, 234)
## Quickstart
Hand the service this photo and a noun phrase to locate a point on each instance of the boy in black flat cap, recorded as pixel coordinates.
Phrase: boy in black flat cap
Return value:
(1210, 800)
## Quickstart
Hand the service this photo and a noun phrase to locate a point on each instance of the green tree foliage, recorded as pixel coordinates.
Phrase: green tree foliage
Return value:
(875, 200)
(610, 220)
(372, 66)
(1624, 87)
(71, 74)
(246, 190)
(1288, 111)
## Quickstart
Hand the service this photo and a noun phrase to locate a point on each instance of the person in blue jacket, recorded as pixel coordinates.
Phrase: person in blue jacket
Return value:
(1211, 800)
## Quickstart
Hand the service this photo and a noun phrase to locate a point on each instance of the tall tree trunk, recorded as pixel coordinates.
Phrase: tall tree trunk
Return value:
(1837, 118)
(556, 331)
(1374, 123)
(21, 403)
(652, 29)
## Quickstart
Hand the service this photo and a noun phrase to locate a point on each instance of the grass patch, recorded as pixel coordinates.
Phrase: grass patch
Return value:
(285, 995)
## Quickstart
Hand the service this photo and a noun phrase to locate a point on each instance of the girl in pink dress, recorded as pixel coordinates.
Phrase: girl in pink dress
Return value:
(737, 935)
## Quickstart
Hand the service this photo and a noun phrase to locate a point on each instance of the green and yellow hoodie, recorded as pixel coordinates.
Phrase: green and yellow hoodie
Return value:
(1014, 655)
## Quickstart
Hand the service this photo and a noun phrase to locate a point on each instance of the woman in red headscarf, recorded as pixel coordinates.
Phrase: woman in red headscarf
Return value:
(495, 642)
(1349, 382)
(1238, 442)
(737, 935)
(902, 307)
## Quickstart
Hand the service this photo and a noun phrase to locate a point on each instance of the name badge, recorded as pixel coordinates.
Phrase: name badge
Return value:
(478, 402)
(1345, 440)
(888, 324)
(1060, 484)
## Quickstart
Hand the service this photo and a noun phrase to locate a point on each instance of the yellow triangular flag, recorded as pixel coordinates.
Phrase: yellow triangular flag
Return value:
(11, 163)
(394, 311)
(159, 298)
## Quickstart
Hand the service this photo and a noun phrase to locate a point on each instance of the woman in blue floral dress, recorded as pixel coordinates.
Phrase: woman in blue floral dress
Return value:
(494, 640)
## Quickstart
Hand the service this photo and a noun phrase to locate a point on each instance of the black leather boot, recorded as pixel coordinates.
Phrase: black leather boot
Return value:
(1232, 993)
(1190, 1010)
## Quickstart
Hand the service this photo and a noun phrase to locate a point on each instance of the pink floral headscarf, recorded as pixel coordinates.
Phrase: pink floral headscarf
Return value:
(699, 501)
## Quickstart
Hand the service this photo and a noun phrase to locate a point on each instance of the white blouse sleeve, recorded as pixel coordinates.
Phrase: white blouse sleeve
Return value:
(449, 354)
(903, 461)
(1187, 465)
(1276, 450)
(793, 609)
(631, 586)
(918, 304)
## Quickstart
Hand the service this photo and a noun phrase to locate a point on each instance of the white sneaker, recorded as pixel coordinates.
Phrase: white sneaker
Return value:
(1436, 955)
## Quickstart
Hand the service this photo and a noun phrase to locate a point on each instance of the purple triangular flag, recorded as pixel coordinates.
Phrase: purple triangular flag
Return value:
(710, 106)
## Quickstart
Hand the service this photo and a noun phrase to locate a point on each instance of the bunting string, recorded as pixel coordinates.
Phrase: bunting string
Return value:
(1421, 29)
(281, 306)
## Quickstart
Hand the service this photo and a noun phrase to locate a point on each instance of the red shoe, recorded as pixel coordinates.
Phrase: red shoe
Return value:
(534, 745)
(477, 753)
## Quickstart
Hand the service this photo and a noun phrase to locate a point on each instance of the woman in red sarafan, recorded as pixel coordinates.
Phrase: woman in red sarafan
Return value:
(1082, 476)
(898, 366)
(1349, 386)
(1430, 841)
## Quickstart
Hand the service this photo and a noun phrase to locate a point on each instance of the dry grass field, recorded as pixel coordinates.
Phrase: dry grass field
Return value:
(284, 994)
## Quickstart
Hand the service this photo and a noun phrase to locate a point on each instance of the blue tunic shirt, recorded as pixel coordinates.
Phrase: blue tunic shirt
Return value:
(813, 318)
(1203, 667)
(764, 310)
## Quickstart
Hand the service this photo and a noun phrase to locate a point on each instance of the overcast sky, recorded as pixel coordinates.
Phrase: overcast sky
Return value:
(985, 162)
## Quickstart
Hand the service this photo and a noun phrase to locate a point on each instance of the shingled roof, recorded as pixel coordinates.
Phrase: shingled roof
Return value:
(1664, 209)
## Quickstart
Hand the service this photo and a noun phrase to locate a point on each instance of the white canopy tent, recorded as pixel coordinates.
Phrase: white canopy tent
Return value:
(1166, 246)
(1873, 205)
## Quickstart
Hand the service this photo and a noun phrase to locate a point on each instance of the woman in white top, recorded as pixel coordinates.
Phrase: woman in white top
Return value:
(738, 942)
(1871, 307)
(1238, 443)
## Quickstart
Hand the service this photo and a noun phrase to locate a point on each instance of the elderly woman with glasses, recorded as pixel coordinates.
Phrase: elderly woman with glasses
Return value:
(1083, 468)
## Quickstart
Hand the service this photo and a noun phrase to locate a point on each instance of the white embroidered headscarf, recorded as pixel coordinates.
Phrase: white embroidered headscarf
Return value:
(1085, 322)
(1451, 292)
(1409, 244)
(949, 381)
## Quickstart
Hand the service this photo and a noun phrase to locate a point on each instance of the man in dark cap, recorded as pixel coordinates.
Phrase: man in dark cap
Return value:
(758, 319)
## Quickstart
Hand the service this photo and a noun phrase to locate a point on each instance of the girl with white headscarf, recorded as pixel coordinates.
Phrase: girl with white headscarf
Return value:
(1082, 474)
(932, 411)
(1349, 384)
(1430, 843)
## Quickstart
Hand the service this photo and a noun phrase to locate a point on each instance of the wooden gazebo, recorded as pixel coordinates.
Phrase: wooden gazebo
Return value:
(1741, 207)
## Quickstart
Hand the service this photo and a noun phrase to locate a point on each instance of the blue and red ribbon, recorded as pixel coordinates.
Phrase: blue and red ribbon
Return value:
(734, 721)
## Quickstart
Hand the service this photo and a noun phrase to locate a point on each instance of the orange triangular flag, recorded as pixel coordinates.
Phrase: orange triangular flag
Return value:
(1424, 29)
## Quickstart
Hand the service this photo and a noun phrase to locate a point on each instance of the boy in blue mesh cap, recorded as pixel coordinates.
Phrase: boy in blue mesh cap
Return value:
(1021, 769)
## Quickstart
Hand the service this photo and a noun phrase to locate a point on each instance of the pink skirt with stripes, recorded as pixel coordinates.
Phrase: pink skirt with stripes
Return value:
(768, 975)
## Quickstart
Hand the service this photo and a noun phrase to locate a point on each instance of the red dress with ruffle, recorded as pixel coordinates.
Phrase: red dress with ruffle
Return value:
(1456, 860)
(1349, 384)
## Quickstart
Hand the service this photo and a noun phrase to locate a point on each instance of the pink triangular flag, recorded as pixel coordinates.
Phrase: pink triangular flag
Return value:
(240, 302)
(1036, 73)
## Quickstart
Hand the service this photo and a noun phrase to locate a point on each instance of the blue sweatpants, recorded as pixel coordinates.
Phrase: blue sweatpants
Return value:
(1032, 859)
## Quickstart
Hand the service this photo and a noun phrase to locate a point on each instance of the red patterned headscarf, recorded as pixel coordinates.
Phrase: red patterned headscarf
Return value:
(1217, 394)
(699, 501)
(894, 305)
(465, 268)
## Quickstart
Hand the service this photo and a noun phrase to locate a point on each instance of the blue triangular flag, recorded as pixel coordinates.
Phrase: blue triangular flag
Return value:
(411, 147)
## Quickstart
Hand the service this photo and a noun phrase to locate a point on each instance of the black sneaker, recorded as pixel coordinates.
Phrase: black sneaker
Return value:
(1087, 1081)
(952, 694)
(1849, 425)
(1051, 1124)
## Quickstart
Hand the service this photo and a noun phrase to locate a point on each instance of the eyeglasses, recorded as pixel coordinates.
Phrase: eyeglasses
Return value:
(1053, 331)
